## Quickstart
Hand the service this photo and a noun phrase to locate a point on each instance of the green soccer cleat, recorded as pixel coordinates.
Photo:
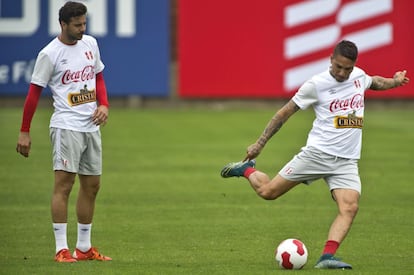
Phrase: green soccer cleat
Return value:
(328, 261)
(236, 169)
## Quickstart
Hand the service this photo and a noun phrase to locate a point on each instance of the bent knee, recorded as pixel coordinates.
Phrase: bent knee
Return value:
(275, 189)
(268, 194)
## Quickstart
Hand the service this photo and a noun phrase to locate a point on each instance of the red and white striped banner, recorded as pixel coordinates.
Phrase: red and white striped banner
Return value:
(268, 48)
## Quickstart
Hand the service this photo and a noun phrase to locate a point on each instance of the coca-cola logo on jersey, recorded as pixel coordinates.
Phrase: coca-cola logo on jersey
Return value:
(354, 103)
(85, 74)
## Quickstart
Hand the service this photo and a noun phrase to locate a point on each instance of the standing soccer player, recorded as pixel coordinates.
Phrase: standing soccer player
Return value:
(71, 66)
(333, 147)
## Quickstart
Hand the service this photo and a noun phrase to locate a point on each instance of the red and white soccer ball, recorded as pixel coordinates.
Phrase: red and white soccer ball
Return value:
(291, 254)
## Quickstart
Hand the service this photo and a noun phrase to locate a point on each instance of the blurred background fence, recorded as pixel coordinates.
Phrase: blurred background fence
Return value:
(213, 50)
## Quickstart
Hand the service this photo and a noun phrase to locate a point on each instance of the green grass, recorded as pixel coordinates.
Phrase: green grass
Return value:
(163, 208)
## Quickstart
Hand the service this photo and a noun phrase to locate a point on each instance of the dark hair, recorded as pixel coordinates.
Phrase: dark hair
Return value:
(71, 9)
(347, 49)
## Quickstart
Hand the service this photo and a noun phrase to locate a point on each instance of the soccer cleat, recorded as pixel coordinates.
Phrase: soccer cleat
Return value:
(236, 169)
(63, 256)
(328, 261)
(91, 254)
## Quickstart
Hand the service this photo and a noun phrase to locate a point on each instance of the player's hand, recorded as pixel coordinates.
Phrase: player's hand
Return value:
(400, 78)
(23, 144)
(100, 116)
(253, 151)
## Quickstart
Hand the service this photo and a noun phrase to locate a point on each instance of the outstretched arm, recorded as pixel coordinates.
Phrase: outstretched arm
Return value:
(281, 116)
(380, 83)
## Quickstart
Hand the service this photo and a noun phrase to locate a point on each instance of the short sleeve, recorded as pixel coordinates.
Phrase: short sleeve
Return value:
(99, 66)
(306, 95)
(368, 81)
(42, 71)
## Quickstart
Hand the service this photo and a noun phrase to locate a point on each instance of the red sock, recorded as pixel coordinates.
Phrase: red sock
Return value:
(248, 172)
(331, 247)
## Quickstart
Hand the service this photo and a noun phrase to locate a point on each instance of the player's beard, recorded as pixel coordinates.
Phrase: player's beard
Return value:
(336, 77)
(75, 36)
(79, 36)
(340, 79)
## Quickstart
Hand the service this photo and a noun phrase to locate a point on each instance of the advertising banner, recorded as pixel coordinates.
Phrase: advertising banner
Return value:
(268, 48)
(133, 37)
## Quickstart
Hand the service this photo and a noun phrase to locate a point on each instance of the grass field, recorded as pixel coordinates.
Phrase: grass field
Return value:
(163, 208)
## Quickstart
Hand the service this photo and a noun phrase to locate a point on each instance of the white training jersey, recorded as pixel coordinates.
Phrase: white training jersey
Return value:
(339, 110)
(70, 72)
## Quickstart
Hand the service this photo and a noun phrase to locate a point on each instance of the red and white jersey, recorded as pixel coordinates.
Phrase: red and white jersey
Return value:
(339, 110)
(69, 71)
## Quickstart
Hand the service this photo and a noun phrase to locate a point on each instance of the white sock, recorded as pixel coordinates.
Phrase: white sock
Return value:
(84, 237)
(59, 229)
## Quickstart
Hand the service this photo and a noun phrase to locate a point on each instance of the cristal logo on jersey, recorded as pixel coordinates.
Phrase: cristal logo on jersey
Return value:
(349, 121)
(356, 102)
(85, 74)
(81, 97)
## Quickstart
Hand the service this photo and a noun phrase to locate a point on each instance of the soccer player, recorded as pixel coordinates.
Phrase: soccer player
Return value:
(71, 66)
(333, 147)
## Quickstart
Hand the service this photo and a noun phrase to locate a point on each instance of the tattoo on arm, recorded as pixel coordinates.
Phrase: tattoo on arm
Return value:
(381, 83)
(277, 121)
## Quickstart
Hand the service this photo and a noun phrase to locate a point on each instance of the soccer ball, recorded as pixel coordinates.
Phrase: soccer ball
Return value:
(291, 254)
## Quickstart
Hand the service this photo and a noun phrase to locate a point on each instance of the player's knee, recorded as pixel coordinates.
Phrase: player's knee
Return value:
(354, 208)
(94, 189)
(351, 209)
(63, 188)
(267, 194)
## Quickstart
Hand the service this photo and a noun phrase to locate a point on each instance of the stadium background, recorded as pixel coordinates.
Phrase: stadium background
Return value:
(182, 51)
